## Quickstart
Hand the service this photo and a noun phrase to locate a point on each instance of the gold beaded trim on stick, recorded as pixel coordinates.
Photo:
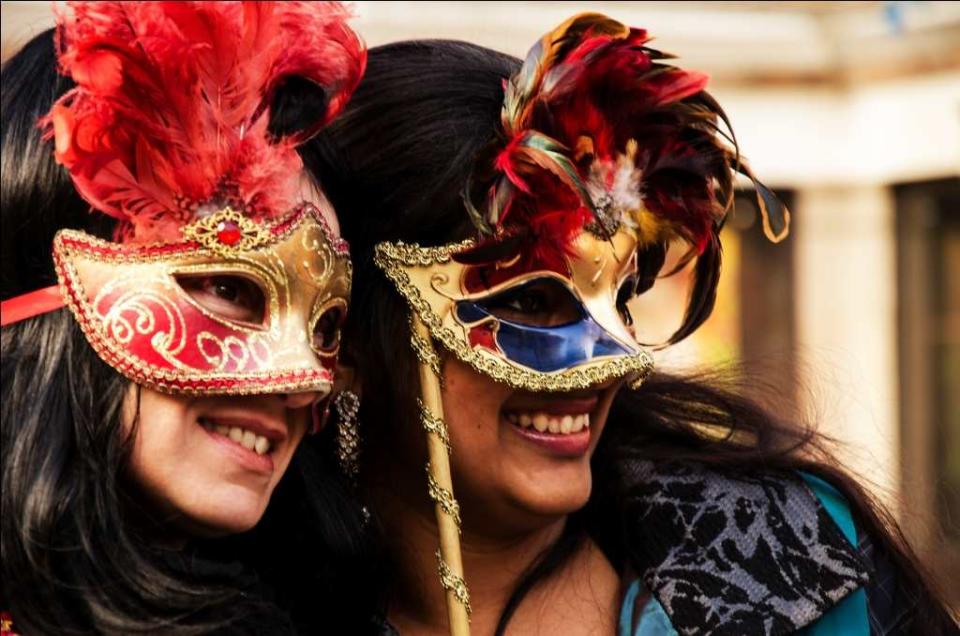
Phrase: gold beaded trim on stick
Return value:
(440, 488)
(443, 497)
(433, 424)
(424, 351)
(454, 583)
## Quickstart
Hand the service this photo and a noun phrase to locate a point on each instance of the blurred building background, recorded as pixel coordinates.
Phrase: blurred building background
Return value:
(851, 110)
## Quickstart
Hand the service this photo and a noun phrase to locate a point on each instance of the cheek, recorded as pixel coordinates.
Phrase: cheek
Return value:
(157, 423)
(166, 460)
(298, 423)
(602, 413)
(471, 406)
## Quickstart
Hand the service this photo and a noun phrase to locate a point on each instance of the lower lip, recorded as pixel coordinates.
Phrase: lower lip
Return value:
(572, 445)
(247, 458)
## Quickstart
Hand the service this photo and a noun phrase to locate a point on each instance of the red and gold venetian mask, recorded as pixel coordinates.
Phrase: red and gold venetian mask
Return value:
(239, 309)
(221, 280)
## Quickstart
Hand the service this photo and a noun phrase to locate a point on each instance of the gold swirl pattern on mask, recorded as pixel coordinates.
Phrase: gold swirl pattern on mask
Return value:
(258, 344)
(136, 313)
(391, 259)
(314, 242)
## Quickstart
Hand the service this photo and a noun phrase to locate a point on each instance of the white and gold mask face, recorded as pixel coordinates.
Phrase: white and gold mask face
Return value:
(140, 308)
(535, 324)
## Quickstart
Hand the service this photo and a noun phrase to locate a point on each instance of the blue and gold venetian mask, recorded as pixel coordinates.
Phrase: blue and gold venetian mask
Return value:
(551, 324)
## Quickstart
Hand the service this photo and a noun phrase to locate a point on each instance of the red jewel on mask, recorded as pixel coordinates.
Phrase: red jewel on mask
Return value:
(229, 233)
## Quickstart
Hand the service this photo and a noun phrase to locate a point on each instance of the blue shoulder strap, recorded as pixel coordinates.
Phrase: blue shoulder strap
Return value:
(849, 617)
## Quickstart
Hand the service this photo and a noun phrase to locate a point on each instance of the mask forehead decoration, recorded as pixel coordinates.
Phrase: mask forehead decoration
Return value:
(605, 155)
(221, 279)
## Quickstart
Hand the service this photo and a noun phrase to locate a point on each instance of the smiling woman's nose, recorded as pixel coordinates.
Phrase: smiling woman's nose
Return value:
(300, 400)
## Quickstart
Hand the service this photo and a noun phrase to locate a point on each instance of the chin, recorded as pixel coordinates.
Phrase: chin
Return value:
(217, 520)
(564, 496)
(223, 524)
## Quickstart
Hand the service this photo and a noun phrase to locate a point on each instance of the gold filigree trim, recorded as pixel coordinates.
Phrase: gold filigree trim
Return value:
(391, 256)
(443, 497)
(412, 255)
(206, 230)
(424, 351)
(433, 424)
(454, 583)
(636, 382)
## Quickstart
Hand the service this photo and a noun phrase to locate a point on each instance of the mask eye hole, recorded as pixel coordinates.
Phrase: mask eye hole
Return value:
(230, 296)
(326, 330)
(542, 302)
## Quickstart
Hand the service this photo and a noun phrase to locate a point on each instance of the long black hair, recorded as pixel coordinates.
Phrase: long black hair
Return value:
(79, 554)
(394, 165)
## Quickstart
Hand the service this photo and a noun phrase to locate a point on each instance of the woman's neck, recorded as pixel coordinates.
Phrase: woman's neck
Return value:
(580, 597)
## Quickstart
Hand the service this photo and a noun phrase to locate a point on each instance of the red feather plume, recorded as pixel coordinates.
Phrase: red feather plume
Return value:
(589, 94)
(172, 101)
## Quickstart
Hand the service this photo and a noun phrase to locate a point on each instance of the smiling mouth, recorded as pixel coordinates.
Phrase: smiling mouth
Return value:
(239, 435)
(567, 424)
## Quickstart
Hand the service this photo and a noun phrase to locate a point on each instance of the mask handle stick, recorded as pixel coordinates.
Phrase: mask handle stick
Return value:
(440, 485)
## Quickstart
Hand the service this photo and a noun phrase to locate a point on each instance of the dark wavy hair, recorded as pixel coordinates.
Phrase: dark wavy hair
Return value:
(79, 553)
(394, 165)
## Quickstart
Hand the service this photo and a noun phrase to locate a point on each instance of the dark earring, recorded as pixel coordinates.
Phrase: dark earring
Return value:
(347, 404)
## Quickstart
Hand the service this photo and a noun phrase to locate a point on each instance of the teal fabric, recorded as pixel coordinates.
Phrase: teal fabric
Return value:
(626, 609)
(848, 618)
(653, 619)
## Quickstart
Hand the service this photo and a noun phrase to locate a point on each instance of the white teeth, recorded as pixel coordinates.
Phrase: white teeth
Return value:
(577, 424)
(556, 424)
(248, 439)
(540, 422)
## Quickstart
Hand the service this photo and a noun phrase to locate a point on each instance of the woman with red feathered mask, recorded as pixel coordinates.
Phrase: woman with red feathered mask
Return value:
(170, 338)
(502, 216)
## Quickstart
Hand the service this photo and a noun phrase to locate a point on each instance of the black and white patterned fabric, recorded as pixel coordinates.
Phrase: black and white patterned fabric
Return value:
(745, 554)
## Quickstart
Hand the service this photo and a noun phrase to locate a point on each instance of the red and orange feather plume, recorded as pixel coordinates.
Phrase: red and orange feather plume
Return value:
(595, 122)
(171, 107)
(591, 93)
